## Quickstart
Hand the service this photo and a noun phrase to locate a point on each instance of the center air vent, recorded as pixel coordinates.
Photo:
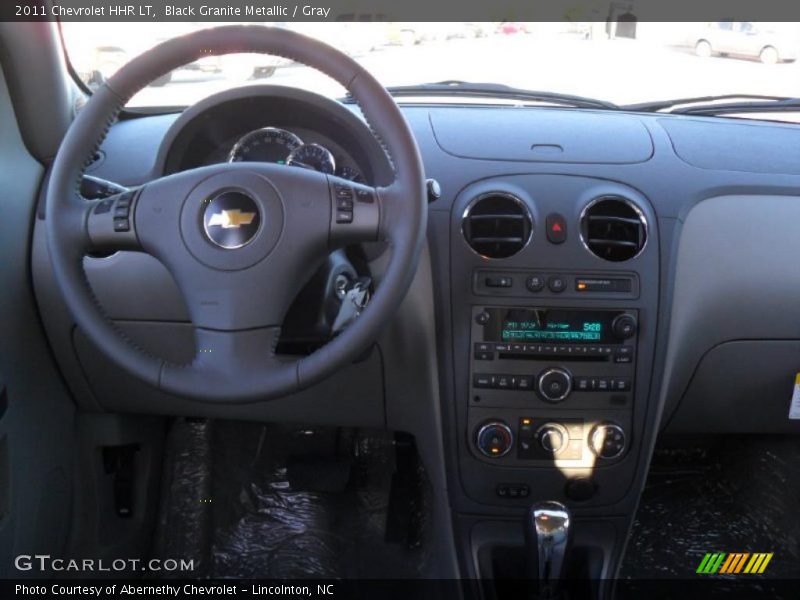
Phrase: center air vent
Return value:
(497, 225)
(613, 228)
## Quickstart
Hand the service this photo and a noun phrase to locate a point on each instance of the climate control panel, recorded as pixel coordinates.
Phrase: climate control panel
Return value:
(539, 440)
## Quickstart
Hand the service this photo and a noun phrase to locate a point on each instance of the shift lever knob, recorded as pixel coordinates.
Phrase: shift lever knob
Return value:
(547, 537)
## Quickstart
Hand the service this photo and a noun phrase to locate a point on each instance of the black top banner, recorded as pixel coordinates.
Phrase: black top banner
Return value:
(405, 10)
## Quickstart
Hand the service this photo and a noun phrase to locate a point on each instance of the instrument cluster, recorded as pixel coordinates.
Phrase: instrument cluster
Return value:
(276, 145)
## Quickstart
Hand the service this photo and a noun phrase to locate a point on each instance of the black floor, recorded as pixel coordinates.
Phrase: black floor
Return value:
(248, 500)
(737, 494)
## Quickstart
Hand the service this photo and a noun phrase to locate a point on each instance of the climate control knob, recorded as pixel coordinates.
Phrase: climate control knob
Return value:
(552, 437)
(624, 326)
(555, 384)
(607, 440)
(494, 439)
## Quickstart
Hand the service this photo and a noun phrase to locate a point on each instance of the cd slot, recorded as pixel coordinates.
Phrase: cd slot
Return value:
(564, 357)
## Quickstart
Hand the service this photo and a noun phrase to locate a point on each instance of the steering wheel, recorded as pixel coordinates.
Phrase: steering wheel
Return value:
(240, 239)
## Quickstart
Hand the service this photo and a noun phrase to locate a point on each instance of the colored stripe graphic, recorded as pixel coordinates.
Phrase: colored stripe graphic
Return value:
(758, 564)
(734, 563)
(711, 563)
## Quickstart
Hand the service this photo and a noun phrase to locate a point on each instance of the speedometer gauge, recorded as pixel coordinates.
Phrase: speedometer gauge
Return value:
(350, 173)
(313, 156)
(269, 144)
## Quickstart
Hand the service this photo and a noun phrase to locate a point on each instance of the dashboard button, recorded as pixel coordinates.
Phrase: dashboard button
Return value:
(504, 382)
(552, 438)
(524, 382)
(621, 384)
(482, 318)
(582, 384)
(499, 281)
(624, 326)
(607, 440)
(623, 354)
(555, 384)
(556, 228)
(494, 439)
(482, 380)
(556, 284)
(534, 283)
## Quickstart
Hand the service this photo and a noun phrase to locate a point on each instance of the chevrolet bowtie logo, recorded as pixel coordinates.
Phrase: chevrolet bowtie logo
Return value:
(231, 219)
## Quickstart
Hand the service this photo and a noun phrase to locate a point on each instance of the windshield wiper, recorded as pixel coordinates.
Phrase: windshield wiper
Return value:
(711, 104)
(464, 89)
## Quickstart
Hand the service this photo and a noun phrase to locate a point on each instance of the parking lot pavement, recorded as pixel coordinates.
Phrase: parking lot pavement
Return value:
(622, 71)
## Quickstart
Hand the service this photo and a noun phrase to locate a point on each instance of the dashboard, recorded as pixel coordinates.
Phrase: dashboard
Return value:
(586, 269)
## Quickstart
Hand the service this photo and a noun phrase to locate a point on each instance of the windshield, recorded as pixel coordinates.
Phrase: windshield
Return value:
(621, 62)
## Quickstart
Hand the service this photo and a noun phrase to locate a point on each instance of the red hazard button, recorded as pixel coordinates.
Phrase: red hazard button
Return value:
(556, 228)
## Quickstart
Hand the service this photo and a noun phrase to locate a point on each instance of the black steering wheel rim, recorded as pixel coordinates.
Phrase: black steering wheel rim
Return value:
(244, 368)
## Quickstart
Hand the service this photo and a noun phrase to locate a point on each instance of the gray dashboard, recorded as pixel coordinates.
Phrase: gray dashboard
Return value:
(721, 233)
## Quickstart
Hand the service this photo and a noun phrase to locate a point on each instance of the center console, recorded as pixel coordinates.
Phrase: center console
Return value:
(554, 290)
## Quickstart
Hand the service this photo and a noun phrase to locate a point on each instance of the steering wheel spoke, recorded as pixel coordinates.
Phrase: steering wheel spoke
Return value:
(110, 223)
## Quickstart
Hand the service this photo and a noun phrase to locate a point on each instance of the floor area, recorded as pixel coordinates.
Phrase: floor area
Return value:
(736, 494)
(253, 500)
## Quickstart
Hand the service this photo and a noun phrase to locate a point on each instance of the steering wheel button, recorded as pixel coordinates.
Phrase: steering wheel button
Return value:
(344, 203)
(364, 196)
(103, 207)
(122, 212)
(344, 216)
(122, 225)
(343, 191)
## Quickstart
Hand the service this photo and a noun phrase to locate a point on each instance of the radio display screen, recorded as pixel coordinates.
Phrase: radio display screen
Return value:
(554, 326)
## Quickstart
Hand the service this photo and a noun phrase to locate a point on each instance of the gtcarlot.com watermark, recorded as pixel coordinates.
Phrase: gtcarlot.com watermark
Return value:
(47, 563)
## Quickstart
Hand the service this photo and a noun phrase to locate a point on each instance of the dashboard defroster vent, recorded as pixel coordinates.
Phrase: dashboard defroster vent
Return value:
(613, 228)
(497, 225)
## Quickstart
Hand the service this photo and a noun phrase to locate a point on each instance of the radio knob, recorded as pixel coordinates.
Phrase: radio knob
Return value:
(494, 439)
(624, 326)
(555, 384)
(607, 440)
(552, 437)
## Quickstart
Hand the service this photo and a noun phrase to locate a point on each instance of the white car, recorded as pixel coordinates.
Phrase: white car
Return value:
(769, 42)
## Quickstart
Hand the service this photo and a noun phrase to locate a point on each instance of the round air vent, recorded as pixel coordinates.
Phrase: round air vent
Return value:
(497, 225)
(613, 228)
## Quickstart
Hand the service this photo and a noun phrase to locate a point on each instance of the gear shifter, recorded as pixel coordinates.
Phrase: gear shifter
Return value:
(547, 537)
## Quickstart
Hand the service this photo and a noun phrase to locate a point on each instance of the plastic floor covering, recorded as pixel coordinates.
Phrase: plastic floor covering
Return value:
(247, 500)
(739, 495)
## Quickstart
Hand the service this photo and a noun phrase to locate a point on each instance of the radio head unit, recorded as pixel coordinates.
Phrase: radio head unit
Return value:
(550, 325)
